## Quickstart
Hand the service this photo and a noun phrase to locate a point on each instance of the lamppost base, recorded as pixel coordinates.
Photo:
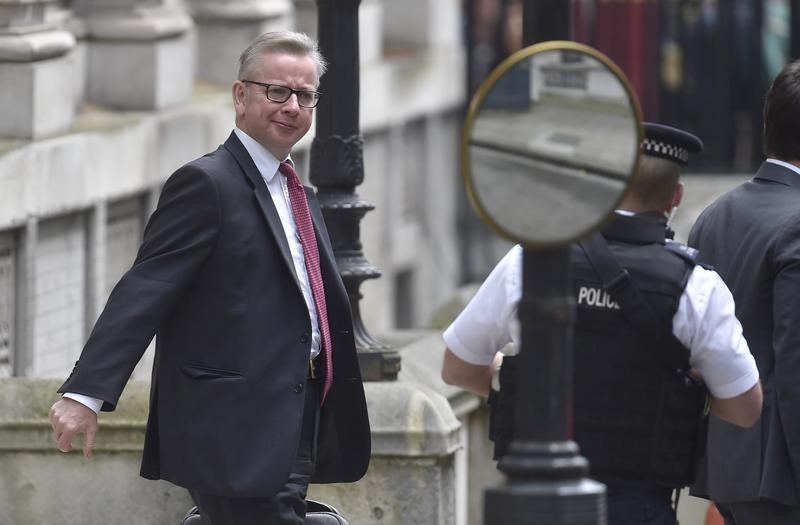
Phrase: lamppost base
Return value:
(545, 502)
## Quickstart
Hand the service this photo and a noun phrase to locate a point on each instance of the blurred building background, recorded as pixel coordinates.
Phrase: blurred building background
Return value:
(701, 65)
(100, 100)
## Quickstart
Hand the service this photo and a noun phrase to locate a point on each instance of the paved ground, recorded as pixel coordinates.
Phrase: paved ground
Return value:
(539, 200)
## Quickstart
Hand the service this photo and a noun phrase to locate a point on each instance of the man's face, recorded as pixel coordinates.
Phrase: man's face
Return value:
(275, 125)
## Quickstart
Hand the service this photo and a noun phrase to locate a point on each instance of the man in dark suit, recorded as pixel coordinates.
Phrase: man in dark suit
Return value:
(751, 235)
(256, 387)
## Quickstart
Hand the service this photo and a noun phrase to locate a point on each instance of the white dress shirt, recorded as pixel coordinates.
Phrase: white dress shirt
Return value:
(785, 165)
(267, 165)
(705, 323)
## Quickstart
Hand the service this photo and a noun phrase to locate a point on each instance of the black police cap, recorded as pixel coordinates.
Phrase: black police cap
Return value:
(669, 143)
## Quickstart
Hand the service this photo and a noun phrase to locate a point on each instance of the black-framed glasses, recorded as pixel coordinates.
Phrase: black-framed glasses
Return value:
(278, 93)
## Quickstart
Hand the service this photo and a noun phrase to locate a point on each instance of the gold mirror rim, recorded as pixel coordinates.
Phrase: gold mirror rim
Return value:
(477, 100)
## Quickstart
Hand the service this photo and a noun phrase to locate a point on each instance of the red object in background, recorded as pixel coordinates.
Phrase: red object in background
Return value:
(628, 33)
(713, 516)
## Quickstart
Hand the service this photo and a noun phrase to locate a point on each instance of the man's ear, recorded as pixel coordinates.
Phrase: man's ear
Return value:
(238, 94)
(677, 197)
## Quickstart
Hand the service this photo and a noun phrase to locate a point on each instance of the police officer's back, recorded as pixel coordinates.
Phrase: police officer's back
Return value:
(646, 313)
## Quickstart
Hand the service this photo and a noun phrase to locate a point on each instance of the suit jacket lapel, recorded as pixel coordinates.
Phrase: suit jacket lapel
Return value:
(267, 207)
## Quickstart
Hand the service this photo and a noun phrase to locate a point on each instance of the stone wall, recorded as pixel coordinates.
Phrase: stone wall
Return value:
(41, 486)
(412, 477)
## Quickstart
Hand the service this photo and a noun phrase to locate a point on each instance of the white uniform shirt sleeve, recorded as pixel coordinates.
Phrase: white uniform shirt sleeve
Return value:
(706, 323)
(489, 321)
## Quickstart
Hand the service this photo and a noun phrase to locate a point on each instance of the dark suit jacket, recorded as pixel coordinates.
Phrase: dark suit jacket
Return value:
(751, 235)
(215, 281)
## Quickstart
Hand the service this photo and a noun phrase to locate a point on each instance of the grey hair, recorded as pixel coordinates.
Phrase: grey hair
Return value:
(288, 42)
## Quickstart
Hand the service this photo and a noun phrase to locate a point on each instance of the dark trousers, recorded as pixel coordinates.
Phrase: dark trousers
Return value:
(764, 512)
(288, 506)
(641, 509)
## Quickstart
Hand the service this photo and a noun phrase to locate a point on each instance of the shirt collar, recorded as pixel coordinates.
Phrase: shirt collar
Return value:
(265, 161)
(785, 165)
(640, 228)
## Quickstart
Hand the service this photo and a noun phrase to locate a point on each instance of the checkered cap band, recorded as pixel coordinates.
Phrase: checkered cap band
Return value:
(657, 148)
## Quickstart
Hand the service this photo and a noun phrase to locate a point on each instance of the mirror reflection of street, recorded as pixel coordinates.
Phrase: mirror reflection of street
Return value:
(541, 200)
(563, 131)
(552, 146)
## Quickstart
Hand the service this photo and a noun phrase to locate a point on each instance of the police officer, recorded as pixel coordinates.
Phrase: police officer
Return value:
(651, 326)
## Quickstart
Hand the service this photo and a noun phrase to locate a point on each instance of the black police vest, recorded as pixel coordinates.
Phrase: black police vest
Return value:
(635, 420)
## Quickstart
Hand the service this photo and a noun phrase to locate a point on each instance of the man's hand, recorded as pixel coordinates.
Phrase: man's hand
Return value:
(695, 375)
(69, 417)
(743, 410)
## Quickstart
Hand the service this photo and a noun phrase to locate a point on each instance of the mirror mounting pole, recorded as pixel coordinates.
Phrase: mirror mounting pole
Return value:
(546, 476)
(544, 20)
(547, 479)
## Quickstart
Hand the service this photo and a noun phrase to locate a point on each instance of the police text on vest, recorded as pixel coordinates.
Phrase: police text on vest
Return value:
(595, 297)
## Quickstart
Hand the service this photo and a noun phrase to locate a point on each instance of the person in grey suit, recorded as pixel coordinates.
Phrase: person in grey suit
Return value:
(256, 386)
(751, 235)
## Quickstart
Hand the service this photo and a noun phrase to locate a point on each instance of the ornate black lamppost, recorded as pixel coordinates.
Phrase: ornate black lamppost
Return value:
(337, 168)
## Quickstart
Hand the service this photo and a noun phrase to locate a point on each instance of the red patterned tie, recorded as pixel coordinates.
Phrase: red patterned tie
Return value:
(305, 229)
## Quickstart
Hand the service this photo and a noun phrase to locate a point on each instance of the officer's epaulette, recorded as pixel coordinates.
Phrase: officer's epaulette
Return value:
(686, 252)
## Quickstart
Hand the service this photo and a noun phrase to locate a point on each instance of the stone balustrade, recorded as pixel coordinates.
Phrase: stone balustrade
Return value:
(145, 55)
(35, 71)
(226, 27)
(140, 54)
(128, 55)
(411, 479)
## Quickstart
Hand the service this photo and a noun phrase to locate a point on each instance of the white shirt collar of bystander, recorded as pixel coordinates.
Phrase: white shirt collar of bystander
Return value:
(785, 165)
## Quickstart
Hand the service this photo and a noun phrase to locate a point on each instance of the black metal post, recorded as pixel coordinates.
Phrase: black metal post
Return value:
(794, 30)
(544, 20)
(337, 168)
(546, 476)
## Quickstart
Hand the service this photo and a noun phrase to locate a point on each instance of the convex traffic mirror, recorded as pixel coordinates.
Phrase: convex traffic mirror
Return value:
(550, 143)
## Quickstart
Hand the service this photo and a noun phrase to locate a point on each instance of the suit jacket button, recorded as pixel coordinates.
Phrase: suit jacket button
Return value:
(304, 338)
(298, 388)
